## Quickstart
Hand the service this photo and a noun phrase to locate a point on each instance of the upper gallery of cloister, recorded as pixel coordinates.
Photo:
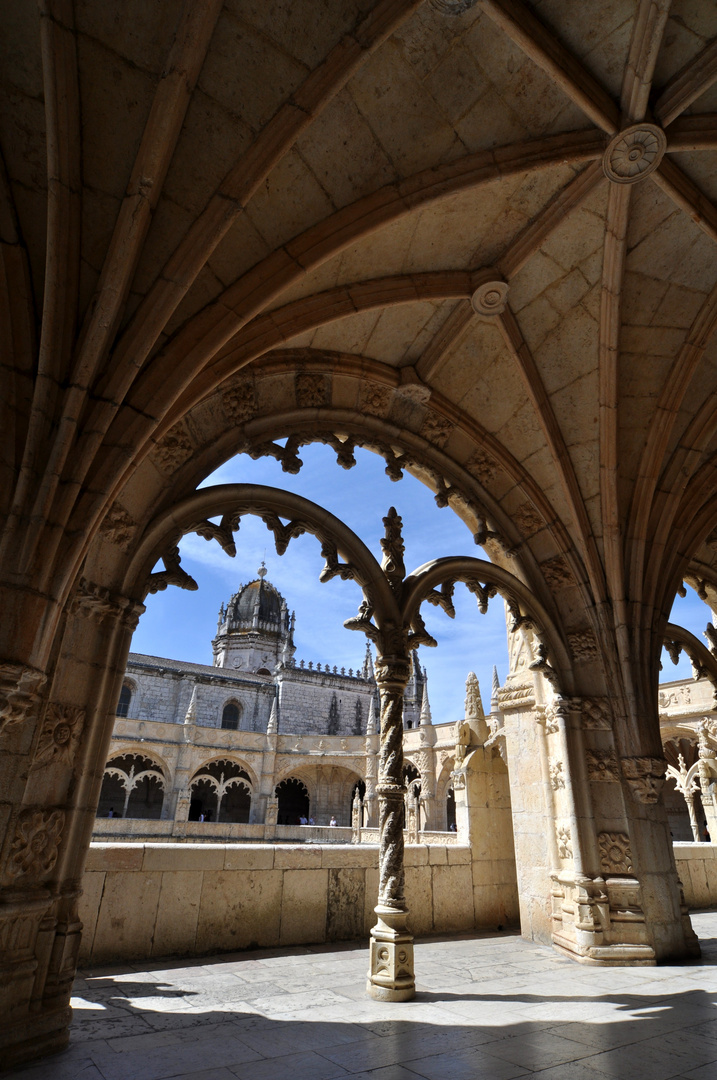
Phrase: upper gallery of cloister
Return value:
(477, 237)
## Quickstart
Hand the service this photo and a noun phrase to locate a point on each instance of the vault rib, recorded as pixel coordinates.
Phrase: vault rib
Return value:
(690, 82)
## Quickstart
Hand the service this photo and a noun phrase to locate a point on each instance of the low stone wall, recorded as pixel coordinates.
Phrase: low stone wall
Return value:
(697, 867)
(162, 899)
(150, 830)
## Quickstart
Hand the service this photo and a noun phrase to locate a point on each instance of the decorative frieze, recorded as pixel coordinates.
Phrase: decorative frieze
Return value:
(35, 845)
(20, 688)
(645, 775)
(615, 854)
(518, 697)
(602, 766)
(60, 734)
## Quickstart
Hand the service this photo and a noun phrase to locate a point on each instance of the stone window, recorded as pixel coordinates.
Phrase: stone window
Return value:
(124, 701)
(230, 716)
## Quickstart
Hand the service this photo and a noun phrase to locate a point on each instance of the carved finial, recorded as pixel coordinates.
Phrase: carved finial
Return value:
(494, 688)
(191, 715)
(393, 548)
(474, 705)
(368, 663)
(371, 722)
(262, 571)
(273, 726)
(425, 708)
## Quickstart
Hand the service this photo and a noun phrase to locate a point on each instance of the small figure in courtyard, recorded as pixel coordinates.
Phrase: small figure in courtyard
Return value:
(303, 820)
(333, 820)
(201, 816)
(311, 821)
(111, 812)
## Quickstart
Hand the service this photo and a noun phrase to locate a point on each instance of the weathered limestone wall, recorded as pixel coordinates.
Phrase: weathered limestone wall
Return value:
(697, 867)
(151, 900)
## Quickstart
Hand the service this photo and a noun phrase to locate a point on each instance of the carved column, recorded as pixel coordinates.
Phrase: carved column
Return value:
(391, 976)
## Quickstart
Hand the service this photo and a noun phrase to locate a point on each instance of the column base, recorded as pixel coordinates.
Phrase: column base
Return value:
(35, 1036)
(390, 975)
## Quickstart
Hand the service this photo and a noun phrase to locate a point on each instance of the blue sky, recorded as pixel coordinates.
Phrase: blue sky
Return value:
(181, 624)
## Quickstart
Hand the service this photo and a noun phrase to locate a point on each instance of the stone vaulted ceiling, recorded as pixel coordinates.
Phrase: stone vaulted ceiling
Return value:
(508, 209)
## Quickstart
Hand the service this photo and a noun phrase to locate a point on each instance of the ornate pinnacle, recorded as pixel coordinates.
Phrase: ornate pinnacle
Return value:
(474, 705)
(392, 546)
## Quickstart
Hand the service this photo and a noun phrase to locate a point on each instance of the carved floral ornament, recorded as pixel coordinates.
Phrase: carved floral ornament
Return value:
(91, 601)
(36, 842)
(634, 153)
(490, 298)
(615, 853)
(60, 734)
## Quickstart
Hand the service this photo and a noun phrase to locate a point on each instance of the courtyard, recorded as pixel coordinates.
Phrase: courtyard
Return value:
(490, 1006)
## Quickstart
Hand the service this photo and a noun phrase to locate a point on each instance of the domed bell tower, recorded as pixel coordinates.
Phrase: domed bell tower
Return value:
(255, 632)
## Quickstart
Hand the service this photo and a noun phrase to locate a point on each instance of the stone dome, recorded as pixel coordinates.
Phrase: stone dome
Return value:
(256, 605)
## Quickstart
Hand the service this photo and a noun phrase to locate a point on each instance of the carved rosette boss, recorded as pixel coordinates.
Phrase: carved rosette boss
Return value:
(634, 153)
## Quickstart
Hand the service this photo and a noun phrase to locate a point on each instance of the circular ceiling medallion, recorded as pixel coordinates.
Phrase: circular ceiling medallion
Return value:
(634, 153)
(490, 298)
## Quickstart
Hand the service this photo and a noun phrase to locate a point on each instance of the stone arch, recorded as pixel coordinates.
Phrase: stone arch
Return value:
(293, 800)
(220, 790)
(134, 785)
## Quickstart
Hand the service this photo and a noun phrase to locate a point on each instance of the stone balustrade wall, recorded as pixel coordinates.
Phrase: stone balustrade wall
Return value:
(697, 868)
(164, 899)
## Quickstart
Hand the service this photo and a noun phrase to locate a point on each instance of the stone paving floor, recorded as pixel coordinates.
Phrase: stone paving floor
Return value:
(490, 1006)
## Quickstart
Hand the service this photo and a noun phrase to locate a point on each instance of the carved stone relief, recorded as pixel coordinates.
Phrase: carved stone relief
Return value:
(645, 775)
(556, 572)
(313, 390)
(173, 450)
(565, 847)
(602, 766)
(596, 714)
(482, 466)
(20, 688)
(239, 401)
(376, 399)
(60, 733)
(94, 601)
(527, 518)
(615, 854)
(557, 776)
(583, 645)
(36, 842)
(118, 527)
(436, 429)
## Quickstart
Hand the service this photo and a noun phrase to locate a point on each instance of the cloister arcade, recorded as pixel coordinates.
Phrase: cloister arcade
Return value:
(475, 237)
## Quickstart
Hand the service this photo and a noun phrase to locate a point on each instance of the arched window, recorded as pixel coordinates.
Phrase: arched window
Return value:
(230, 716)
(124, 700)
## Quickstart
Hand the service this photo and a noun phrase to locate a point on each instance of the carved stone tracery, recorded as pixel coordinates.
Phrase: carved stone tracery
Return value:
(615, 853)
